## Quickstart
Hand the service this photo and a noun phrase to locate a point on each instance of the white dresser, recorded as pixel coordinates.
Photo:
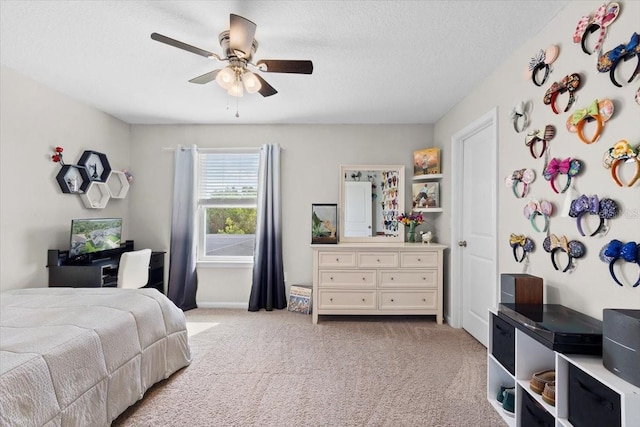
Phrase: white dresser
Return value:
(377, 278)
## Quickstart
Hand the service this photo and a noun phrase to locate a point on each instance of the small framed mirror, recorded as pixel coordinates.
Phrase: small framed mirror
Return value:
(371, 198)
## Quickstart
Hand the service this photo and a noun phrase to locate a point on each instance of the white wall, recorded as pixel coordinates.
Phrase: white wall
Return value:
(34, 213)
(589, 289)
(310, 168)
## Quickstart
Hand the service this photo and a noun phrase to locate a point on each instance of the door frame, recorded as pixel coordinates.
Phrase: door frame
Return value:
(457, 161)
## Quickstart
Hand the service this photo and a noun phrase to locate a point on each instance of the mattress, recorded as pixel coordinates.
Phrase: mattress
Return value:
(80, 357)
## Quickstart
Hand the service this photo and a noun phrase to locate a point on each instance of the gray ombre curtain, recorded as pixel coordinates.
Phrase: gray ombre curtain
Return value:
(267, 289)
(183, 280)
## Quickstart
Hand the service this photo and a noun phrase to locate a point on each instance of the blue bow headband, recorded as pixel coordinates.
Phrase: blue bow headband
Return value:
(607, 62)
(616, 250)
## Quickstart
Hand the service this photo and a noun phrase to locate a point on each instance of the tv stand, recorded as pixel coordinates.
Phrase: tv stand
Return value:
(98, 269)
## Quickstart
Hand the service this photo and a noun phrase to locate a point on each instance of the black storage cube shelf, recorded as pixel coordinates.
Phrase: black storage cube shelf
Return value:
(591, 403)
(534, 414)
(504, 343)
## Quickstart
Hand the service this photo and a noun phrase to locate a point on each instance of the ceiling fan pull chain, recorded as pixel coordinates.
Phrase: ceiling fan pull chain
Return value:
(237, 114)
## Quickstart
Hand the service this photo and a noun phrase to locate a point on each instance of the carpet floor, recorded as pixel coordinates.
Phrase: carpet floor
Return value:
(278, 369)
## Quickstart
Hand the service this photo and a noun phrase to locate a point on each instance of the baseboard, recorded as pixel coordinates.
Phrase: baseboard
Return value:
(204, 304)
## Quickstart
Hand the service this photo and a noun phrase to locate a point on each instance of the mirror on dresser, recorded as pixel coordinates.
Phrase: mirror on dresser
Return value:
(371, 197)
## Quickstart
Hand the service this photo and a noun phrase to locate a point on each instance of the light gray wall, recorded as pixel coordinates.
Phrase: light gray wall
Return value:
(34, 213)
(310, 168)
(589, 289)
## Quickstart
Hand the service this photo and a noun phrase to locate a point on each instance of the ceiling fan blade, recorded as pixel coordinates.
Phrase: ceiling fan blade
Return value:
(286, 66)
(180, 45)
(241, 33)
(205, 78)
(266, 89)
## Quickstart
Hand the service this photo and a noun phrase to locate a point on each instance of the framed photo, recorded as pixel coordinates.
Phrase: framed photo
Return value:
(426, 161)
(324, 223)
(425, 195)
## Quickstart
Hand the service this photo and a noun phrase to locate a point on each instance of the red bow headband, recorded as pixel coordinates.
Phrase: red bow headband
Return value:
(604, 16)
(570, 83)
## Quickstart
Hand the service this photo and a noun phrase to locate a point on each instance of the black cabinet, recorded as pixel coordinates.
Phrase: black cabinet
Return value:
(99, 272)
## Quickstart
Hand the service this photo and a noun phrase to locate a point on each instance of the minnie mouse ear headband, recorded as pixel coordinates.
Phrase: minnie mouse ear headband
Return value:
(570, 167)
(622, 152)
(610, 60)
(534, 209)
(519, 117)
(570, 83)
(534, 136)
(521, 241)
(616, 250)
(573, 248)
(604, 16)
(542, 61)
(524, 176)
(604, 208)
(600, 111)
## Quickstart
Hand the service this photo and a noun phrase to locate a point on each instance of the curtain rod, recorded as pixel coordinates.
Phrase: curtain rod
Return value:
(205, 150)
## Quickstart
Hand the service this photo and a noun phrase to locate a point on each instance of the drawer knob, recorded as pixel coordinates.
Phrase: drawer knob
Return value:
(331, 278)
(424, 278)
(337, 259)
(419, 259)
(362, 299)
(391, 277)
(391, 299)
(378, 260)
(424, 299)
(364, 278)
(331, 299)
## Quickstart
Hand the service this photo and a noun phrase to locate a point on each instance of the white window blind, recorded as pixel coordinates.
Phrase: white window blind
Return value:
(228, 179)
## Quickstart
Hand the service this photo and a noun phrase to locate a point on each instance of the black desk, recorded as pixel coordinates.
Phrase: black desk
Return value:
(99, 272)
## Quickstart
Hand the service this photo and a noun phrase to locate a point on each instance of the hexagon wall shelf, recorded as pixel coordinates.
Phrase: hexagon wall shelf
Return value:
(97, 165)
(118, 184)
(97, 195)
(73, 179)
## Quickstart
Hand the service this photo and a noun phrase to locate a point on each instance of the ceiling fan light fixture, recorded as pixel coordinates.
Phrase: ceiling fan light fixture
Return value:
(251, 82)
(236, 89)
(226, 78)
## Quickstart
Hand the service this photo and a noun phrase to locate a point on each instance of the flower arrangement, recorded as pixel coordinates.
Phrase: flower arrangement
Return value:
(411, 219)
(57, 156)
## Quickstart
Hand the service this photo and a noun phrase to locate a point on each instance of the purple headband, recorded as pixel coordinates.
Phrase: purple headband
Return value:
(604, 208)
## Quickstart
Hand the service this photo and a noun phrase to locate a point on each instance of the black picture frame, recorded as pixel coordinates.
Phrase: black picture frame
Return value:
(324, 223)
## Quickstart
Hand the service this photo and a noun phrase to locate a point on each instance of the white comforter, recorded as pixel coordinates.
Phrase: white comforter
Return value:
(80, 357)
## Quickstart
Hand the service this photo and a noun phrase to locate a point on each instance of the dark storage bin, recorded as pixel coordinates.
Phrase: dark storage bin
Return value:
(504, 343)
(534, 414)
(591, 403)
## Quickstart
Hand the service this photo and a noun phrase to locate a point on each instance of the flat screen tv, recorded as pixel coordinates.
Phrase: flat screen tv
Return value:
(94, 235)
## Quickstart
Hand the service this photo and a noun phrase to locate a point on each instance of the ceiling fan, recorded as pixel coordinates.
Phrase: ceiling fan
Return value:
(238, 46)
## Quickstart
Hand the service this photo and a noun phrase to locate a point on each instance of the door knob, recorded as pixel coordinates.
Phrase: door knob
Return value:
(462, 243)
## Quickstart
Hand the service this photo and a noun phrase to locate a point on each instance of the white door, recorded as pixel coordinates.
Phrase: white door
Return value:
(474, 232)
(357, 209)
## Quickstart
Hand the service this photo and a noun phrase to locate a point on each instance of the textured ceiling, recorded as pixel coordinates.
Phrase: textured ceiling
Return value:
(374, 61)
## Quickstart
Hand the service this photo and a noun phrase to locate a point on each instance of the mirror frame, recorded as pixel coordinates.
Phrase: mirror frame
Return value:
(400, 169)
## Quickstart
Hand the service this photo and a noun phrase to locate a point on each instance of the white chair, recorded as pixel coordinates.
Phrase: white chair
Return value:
(133, 270)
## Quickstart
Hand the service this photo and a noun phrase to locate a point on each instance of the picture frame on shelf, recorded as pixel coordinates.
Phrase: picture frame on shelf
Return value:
(425, 195)
(324, 223)
(426, 161)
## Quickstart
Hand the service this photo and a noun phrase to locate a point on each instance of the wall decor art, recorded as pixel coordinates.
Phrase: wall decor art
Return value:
(426, 162)
(425, 195)
(324, 223)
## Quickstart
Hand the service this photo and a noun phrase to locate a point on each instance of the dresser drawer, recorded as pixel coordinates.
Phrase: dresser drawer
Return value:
(335, 299)
(409, 279)
(336, 259)
(377, 259)
(404, 300)
(347, 278)
(419, 259)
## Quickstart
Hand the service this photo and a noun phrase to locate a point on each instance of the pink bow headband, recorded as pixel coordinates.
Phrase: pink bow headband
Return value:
(568, 166)
(535, 208)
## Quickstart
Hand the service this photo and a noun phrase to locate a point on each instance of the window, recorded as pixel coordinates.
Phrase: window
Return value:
(227, 202)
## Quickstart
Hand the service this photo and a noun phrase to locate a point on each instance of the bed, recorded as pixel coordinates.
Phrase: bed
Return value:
(80, 357)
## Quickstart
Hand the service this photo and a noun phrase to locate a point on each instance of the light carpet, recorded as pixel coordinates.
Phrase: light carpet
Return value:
(278, 369)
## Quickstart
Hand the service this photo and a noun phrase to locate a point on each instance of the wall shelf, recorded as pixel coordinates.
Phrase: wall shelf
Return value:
(427, 210)
(118, 184)
(97, 195)
(73, 179)
(97, 165)
(427, 177)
